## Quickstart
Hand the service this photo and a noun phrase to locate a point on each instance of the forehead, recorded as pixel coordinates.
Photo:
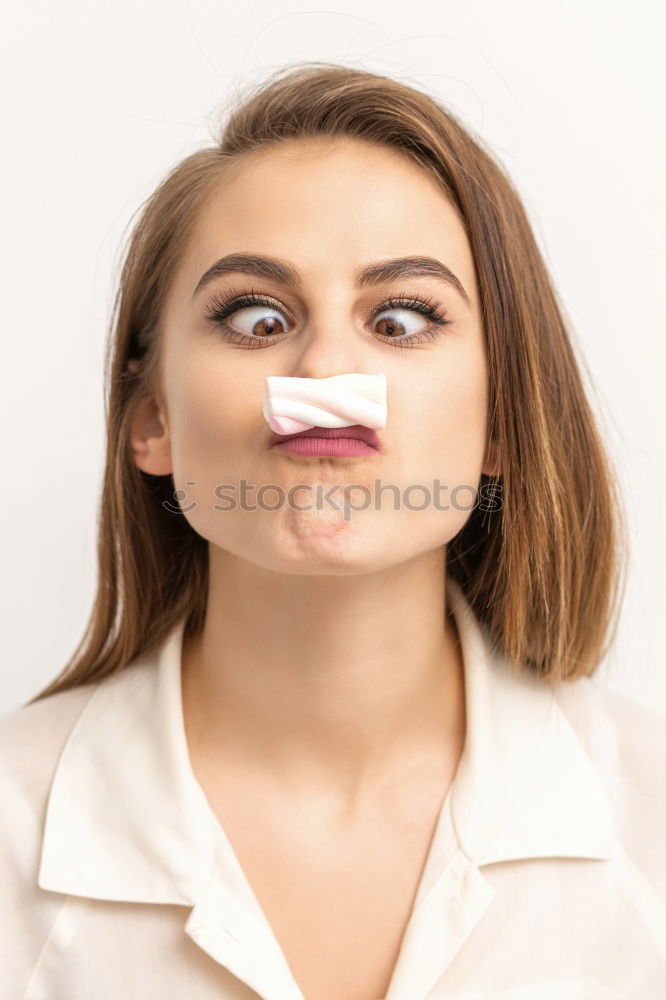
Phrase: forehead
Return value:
(328, 207)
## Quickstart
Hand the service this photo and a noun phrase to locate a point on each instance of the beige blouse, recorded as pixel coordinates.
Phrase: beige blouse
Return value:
(545, 879)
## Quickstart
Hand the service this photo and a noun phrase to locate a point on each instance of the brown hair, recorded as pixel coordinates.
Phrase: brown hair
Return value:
(542, 571)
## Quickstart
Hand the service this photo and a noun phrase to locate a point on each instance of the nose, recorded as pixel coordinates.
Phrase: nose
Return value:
(329, 347)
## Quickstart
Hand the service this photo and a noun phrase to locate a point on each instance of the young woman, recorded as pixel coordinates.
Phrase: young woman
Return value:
(311, 748)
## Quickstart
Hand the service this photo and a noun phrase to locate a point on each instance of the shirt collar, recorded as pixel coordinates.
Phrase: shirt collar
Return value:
(127, 820)
(525, 786)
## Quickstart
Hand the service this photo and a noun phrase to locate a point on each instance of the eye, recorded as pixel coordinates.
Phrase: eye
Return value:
(401, 328)
(399, 322)
(254, 317)
(260, 320)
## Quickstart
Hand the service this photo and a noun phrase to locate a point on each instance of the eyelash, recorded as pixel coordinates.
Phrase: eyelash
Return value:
(226, 303)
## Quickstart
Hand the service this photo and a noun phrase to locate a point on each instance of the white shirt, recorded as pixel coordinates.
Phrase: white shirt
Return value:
(545, 879)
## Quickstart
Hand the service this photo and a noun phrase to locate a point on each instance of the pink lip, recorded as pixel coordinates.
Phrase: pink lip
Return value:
(341, 441)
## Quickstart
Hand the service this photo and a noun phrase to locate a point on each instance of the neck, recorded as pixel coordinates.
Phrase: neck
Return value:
(334, 683)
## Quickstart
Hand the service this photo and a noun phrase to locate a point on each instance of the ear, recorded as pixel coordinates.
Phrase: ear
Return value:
(149, 437)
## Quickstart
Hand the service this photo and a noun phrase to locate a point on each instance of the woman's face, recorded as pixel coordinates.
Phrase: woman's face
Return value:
(326, 212)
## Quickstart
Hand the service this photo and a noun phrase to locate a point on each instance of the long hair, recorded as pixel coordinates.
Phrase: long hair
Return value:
(541, 570)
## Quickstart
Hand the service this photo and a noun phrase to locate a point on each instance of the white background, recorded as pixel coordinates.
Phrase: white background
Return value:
(99, 100)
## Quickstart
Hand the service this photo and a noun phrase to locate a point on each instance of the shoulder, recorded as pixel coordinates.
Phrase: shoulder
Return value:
(626, 742)
(626, 738)
(31, 740)
(31, 736)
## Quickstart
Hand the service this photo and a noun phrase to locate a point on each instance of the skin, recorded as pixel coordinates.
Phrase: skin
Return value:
(328, 678)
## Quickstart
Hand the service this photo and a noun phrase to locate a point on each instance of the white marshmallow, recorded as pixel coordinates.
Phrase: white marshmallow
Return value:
(293, 404)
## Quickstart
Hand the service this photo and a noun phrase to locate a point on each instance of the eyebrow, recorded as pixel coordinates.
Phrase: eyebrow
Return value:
(372, 274)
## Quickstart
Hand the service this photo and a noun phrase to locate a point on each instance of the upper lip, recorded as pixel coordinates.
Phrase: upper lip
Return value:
(355, 431)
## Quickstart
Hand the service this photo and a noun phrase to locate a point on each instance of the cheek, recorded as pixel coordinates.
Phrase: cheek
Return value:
(214, 422)
(211, 414)
(445, 436)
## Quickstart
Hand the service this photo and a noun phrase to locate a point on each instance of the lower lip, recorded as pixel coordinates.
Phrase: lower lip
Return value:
(337, 447)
